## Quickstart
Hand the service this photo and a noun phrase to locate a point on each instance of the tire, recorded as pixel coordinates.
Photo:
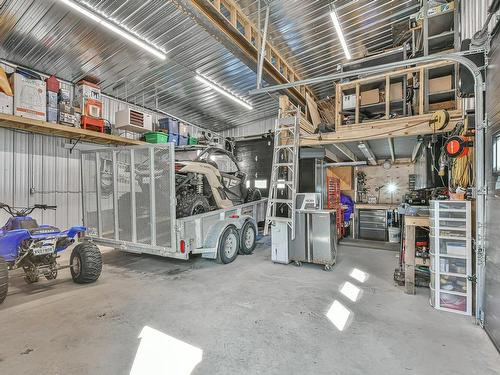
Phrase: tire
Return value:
(253, 195)
(86, 263)
(191, 204)
(228, 248)
(248, 238)
(4, 279)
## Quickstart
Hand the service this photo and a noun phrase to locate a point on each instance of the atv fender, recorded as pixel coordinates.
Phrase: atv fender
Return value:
(9, 243)
(215, 233)
(73, 231)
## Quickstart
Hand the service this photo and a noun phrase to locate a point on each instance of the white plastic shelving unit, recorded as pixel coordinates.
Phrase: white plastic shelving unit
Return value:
(451, 256)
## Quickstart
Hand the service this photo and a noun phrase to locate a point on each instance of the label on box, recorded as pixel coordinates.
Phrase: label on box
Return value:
(51, 99)
(29, 97)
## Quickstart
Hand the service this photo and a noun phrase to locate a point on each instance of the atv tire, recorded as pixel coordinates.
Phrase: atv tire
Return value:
(86, 263)
(4, 279)
(253, 195)
(248, 238)
(191, 204)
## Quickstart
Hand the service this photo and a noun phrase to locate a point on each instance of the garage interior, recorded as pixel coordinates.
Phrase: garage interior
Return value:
(249, 186)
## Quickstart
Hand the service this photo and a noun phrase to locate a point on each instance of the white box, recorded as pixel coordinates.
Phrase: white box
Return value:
(6, 104)
(87, 90)
(279, 243)
(183, 129)
(349, 101)
(29, 96)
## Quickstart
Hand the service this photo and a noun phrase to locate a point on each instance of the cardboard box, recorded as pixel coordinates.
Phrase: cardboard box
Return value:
(349, 101)
(29, 95)
(370, 97)
(87, 90)
(88, 99)
(52, 99)
(396, 91)
(52, 115)
(6, 104)
(440, 84)
(64, 96)
(66, 108)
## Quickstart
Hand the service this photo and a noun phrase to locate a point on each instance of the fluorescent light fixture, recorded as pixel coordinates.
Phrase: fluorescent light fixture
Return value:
(339, 315)
(367, 152)
(340, 34)
(351, 291)
(359, 275)
(223, 91)
(120, 30)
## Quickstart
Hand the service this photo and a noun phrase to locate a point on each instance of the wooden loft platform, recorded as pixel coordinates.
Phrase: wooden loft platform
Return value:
(381, 129)
(47, 128)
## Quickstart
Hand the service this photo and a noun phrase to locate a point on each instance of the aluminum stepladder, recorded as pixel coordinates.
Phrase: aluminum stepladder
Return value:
(285, 169)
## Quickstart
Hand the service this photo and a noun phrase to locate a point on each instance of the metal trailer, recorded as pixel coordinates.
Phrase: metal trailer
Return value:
(129, 203)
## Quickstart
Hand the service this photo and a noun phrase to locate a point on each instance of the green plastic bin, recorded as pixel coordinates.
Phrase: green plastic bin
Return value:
(156, 137)
(192, 141)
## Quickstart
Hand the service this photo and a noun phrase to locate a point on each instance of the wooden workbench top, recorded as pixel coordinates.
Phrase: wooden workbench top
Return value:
(418, 221)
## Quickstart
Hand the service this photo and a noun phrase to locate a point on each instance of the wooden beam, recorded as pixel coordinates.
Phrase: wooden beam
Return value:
(313, 110)
(208, 15)
(57, 130)
(398, 127)
(345, 150)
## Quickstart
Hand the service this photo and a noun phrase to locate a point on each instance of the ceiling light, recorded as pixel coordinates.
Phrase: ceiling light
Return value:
(224, 92)
(340, 34)
(367, 152)
(120, 30)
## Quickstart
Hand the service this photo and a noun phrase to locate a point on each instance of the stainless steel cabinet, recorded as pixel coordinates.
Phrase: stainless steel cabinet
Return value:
(372, 224)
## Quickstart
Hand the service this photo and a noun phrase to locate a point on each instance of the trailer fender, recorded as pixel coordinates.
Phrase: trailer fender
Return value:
(213, 236)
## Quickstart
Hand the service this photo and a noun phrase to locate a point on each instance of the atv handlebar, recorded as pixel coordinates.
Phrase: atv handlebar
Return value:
(12, 211)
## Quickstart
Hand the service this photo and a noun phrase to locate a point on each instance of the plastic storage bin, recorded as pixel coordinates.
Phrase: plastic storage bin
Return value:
(192, 141)
(171, 125)
(156, 137)
(183, 141)
(174, 138)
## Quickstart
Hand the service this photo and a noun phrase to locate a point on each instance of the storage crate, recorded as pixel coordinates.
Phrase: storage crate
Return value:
(174, 138)
(169, 124)
(183, 141)
(192, 141)
(156, 137)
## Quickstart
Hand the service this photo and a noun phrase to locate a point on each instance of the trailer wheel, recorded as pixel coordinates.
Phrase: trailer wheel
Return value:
(192, 204)
(86, 263)
(229, 244)
(4, 279)
(248, 238)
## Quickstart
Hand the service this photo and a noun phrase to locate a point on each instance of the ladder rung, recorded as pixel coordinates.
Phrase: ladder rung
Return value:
(282, 182)
(283, 165)
(286, 121)
(280, 219)
(284, 146)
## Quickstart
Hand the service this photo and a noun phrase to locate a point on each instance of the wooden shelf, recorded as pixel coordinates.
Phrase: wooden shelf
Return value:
(57, 130)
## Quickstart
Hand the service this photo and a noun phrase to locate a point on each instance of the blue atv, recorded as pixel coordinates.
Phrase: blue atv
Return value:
(35, 248)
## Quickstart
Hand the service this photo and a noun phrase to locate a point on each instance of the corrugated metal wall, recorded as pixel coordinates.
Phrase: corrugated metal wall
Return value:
(255, 128)
(473, 16)
(38, 169)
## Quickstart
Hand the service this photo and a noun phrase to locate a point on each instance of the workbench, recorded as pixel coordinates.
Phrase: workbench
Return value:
(411, 222)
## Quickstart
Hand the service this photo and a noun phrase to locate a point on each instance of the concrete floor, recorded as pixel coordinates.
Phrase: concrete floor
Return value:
(249, 317)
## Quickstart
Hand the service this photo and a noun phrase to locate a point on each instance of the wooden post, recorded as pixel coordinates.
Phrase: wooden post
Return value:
(410, 259)
(358, 99)
(387, 97)
(421, 90)
(338, 107)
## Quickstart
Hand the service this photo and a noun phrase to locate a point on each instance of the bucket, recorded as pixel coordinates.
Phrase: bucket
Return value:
(394, 234)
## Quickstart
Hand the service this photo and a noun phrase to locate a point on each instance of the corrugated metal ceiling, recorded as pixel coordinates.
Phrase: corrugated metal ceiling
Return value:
(304, 34)
(46, 36)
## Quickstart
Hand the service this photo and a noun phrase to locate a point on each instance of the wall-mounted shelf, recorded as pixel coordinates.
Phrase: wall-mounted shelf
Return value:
(47, 128)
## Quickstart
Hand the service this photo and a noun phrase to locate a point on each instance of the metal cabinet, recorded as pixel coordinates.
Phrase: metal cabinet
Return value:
(315, 238)
(372, 224)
